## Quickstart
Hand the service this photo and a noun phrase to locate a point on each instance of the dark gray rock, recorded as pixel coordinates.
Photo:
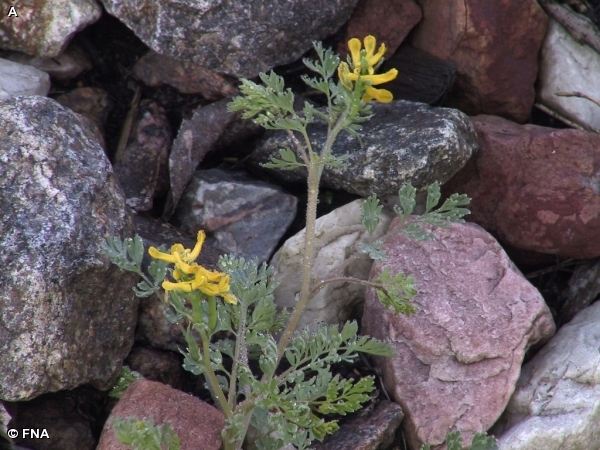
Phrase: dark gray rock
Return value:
(372, 429)
(584, 287)
(246, 217)
(67, 315)
(236, 37)
(156, 365)
(196, 137)
(403, 143)
(142, 166)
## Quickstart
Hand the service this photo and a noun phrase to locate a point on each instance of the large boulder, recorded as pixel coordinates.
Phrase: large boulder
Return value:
(459, 357)
(44, 27)
(535, 188)
(236, 37)
(404, 142)
(67, 315)
(556, 404)
(495, 47)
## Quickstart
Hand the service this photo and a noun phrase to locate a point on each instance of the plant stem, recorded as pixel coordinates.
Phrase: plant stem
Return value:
(320, 285)
(212, 378)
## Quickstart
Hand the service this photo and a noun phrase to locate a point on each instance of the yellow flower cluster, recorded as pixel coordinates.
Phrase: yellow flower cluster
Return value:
(189, 275)
(362, 67)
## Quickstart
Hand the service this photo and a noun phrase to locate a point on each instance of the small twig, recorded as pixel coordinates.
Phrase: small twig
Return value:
(578, 94)
(554, 268)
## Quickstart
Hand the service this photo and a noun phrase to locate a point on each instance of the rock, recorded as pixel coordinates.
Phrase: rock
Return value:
(63, 67)
(338, 235)
(156, 365)
(45, 27)
(458, 358)
(577, 73)
(535, 187)
(142, 166)
(235, 37)
(422, 77)
(69, 418)
(246, 217)
(18, 79)
(197, 424)
(584, 287)
(196, 137)
(495, 47)
(92, 103)
(556, 404)
(388, 20)
(155, 69)
(67, 315)
(403, 143)
(370, 430)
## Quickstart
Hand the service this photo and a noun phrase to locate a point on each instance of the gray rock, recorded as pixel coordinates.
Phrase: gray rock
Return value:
(246, 217)
(567, 65)
(403, 143)
(459, 357)
(372, 429)
(67, 315)
(236, 37)
(338, 235)
(19, 79)
(556, 404)
(63, 67)
(44, 28)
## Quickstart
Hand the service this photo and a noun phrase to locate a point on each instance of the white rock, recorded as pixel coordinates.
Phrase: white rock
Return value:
(568, 66)
(337, 237)
(17, 79)
(556, 404)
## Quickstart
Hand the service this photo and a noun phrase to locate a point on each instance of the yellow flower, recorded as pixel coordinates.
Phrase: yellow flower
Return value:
(189, 275)
(362, 68)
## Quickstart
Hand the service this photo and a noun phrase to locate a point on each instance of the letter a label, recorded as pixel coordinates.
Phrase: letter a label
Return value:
(12, 12)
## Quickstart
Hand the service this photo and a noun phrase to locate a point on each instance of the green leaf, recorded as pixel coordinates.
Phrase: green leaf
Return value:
(397, 292)
(144, 435)
(126, 377)
(454, 440)
(370, 214)
(374, 251)
(482, 442)
(407, 195)
(288, 161)
(433, 196)
(268, 359)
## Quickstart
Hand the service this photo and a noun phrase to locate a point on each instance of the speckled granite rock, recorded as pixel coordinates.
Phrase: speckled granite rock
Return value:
(403, 143)
(67, 315)
(44, 27)
(236, 37)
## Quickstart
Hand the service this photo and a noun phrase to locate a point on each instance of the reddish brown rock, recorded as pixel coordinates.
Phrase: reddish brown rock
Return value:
(155, 69)
(197, 424)
(495, 46)
(535, 188)
(388, 20)
(458, 358)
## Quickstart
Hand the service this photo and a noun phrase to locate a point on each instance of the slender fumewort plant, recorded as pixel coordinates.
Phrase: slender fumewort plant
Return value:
(284, 403)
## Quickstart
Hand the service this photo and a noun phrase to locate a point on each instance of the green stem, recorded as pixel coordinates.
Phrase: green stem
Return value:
(240, 353)
(320, 285)
(211, 377)
(212, 314)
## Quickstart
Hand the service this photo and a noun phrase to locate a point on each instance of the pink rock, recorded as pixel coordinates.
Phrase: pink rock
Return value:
(388, 20)
(495, 46)
(535, 188)
(197, 424)
(458, 358)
